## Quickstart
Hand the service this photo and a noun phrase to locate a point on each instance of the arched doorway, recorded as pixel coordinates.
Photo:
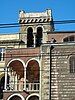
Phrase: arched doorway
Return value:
(32, 75)
(34, 98)
(15, 98)
(39, 37)
(30, 40)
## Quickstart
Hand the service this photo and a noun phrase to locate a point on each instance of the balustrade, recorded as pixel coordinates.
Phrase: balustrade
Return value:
(20, 86)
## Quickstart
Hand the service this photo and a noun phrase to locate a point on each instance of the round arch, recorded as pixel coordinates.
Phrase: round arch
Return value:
(33, 94)
(18, 60)
(29, 27)
(32, 59)
(16, 94)
(40, 26)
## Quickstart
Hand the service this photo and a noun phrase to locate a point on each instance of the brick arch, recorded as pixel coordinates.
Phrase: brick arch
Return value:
(16, 95)
(34, 95)
(17, 65)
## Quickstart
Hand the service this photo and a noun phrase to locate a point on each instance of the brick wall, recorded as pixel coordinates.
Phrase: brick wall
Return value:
(21, 53)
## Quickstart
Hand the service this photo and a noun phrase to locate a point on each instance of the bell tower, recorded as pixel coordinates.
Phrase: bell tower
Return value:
(34, 27)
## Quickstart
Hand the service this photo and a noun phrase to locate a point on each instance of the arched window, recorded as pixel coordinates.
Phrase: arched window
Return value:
(32, 71)
(69, 39)
(39, 37)
(30, 40)
(72, 64)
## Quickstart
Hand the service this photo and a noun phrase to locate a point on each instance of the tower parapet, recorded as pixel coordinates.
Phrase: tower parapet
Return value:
(34, 27)
(35, 17)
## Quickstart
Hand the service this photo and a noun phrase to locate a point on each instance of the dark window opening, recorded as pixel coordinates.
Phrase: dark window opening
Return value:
(30, 40)
(2, 87)
(72, 64)
(69, 39)
(2, 81)
(39, 37)
(65, 40)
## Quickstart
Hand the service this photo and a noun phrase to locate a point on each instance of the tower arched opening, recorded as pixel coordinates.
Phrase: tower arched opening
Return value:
(30, 40)
(39, 37)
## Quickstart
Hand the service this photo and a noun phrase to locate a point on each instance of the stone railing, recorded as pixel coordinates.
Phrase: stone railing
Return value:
(32, 86)
(20, 87)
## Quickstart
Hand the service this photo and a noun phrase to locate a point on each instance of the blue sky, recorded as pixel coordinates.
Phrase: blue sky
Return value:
(61, 9)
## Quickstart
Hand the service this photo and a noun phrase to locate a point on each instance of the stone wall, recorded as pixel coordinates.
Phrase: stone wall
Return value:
(9, 36)
(62, 81)
(45, 73)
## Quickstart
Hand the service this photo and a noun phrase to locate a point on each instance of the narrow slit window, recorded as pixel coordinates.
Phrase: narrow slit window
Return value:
(72, 64)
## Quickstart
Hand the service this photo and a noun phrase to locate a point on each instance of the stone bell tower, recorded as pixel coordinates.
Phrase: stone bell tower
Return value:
(34, 27)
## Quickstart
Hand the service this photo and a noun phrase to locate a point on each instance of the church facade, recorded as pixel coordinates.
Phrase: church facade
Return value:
(37, 63)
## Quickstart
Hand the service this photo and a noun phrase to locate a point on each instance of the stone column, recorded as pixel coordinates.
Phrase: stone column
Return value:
(16, 82)
(12, 80)
(34, 40)
(45, 73)
(5, 86)
(25, 78)
(2, 54)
